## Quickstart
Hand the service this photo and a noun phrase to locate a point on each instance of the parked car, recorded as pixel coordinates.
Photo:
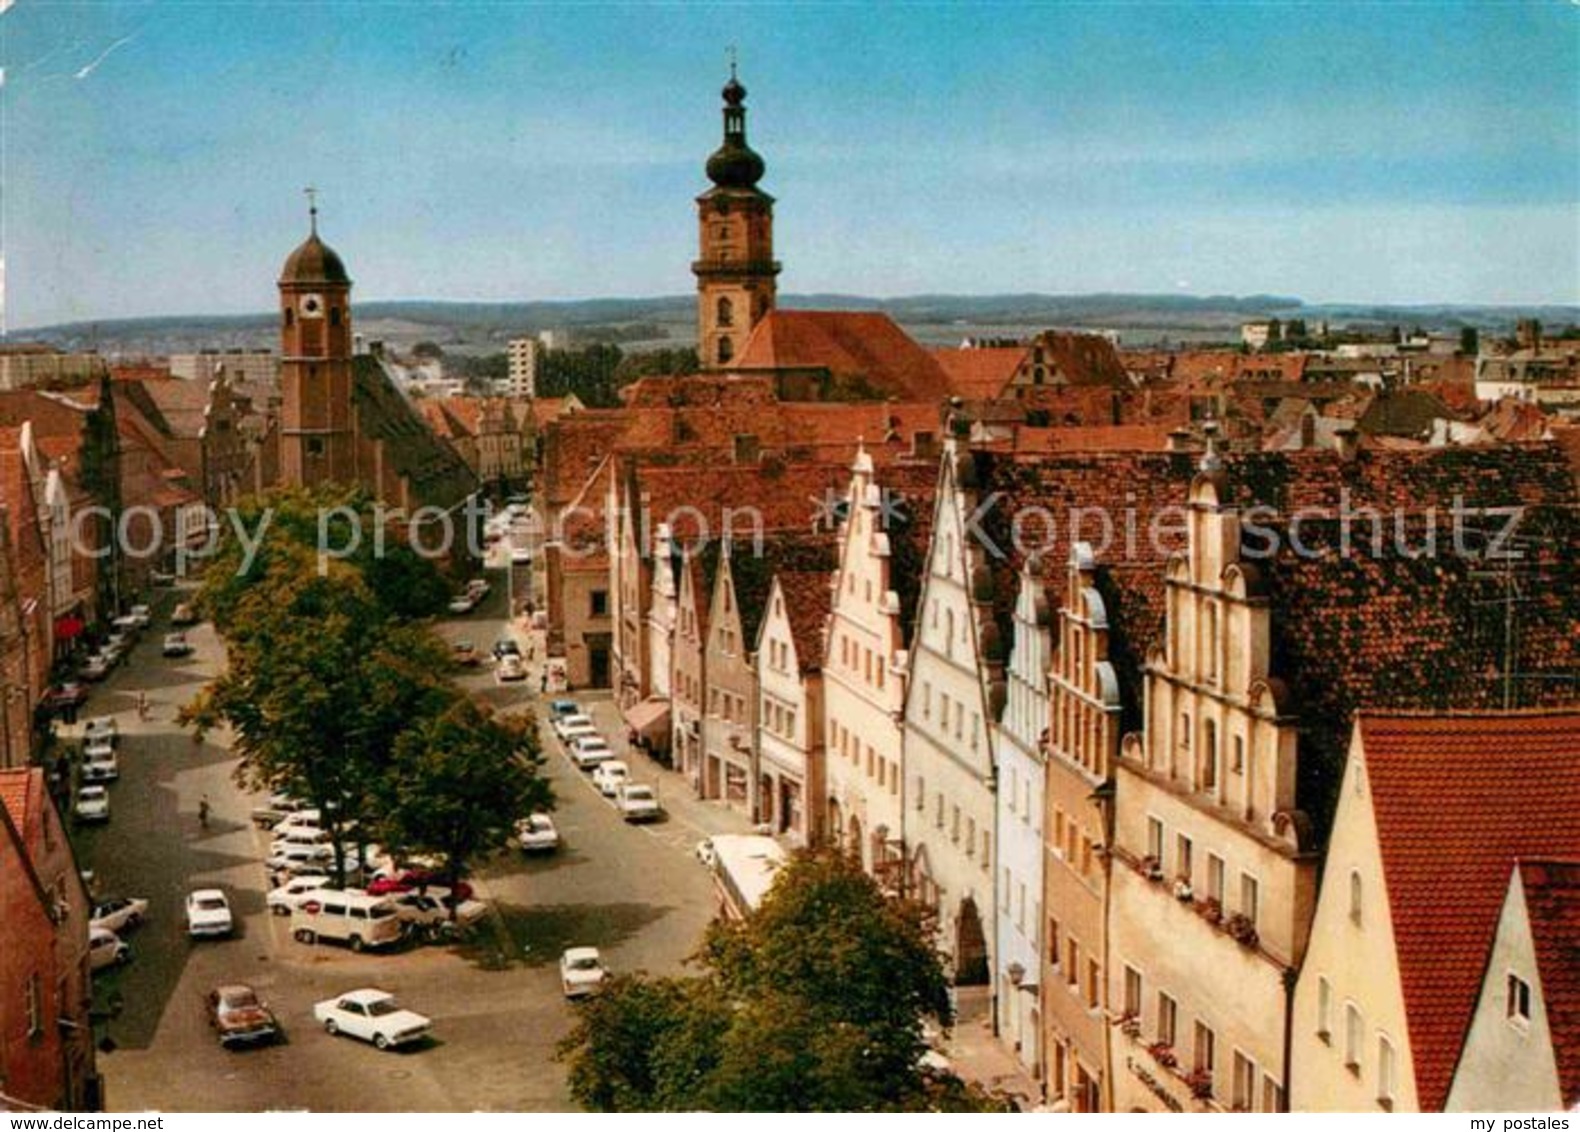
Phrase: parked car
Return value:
(240, 1017)
(95, 668)
(66, 696)
(126, 623)
(636, 802)
(510, 670)
(93, 804)
(208, 914)
(106, 949)
(590, 750)
(117, 913)
(300, 835)
(372, 1015)
(141, 616)
(417, 908)
(299, 819)
(118, 644)
(536, 834)
(581, 972)
(277, 809)
(99, 764)
(567, 726)
(464, 653)
(183, 615)
(462, 603)
(419, 880)
(609, 776)
(478, 588)
(359, 919)
(284, 899)
(100, 727)
(559, 709)
(176, 644)
(298, 859)
(505, 646)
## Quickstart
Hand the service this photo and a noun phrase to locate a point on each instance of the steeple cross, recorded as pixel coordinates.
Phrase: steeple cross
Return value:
(729, 53)
(312, 206)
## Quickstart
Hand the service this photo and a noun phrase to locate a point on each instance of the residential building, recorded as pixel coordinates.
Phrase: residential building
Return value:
(46, 1035)
(1435, 814)
(790, 722)
(1522, 1052)
(25, 365)
(243, 368)
(522, 360)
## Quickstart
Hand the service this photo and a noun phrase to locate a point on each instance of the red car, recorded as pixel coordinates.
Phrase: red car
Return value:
(412, 879)
(66, 697)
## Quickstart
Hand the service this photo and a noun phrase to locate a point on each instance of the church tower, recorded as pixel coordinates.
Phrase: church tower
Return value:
(316, 435)
(736, 272)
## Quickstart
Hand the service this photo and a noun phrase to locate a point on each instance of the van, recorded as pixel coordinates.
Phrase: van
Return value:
(349, 917)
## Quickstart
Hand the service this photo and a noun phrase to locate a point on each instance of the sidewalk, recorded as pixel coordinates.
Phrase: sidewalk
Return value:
(982, 1059)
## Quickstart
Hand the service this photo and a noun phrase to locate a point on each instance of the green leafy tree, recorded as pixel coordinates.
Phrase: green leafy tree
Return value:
(458, 783)
(815, 1002)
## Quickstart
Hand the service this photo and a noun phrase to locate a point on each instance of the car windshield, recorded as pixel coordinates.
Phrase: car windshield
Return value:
(239, 1000)
(211, 904)
(585, 963)
(380, 912)
(382, 1006)
(639, 794)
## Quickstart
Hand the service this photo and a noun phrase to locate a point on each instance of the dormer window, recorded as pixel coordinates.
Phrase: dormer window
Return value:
(1517, 1007)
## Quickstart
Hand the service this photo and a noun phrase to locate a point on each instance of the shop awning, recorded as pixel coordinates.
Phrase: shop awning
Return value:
(68, 627)
(650, 718)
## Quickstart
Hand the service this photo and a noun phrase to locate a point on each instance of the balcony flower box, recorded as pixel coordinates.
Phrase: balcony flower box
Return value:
(1182, 891)
(1241, 930)
(1210, 909)
(1163, 1054)
(1200, 1082)
(1130, 1026)
(1151, 868)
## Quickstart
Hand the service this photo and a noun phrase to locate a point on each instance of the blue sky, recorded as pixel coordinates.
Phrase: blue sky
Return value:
(154, 153)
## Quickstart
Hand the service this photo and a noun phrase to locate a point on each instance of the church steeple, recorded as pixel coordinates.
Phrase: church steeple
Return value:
(736, 273)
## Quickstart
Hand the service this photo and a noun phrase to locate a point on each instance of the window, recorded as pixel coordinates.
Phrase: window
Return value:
(1272, 1095)
(1249, 897)
(726, 350)
(1352, 1038)
(1386, 1072)
(726, 313)
(927, 699)
(290, 318)
(971, 836)
(1182, 858)
(1204, 1053)
(1072, 962)
(1238, 765)
(1209, 757)
(1355, 897)
(1155, 839)
(315, 446)
(1215, 878)
(921, 792)
(1212, 641)
(600, 603)
(1094, 983)
(1168, 1019)
(1184, 730)
(1053, 942)
(1020, 906)
(954, 824)
(987, 849)
(1324, 1009)
(1058, 831)
(938, 818)
(1244, 1083)
(1518, 1006)
(1133, 991)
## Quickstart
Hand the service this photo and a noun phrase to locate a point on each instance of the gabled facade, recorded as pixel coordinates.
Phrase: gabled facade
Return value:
(1522, 1053)
(1081, 744)
(790, 727)
(688, 664)
(729, 722)
(1434, 813)
(1020, 741)
(956, 673)
(1213, 881)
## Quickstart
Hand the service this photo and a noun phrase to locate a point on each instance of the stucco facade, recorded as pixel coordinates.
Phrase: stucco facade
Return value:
(789, 721)
(729, 723)
(1212, 886)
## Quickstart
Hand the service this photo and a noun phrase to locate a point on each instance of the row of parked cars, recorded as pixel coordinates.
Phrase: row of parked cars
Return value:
(469, 598)
(590, 751)
(100, 766)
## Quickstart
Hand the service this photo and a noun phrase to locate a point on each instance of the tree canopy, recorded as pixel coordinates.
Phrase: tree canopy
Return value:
(814, 1003)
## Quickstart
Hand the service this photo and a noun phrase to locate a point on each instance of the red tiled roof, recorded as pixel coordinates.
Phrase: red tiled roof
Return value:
(981, 373)
(1457, 798)
(21, 792)
(1552, 903)
(807, 603)
(1081, 359)
(864, 352)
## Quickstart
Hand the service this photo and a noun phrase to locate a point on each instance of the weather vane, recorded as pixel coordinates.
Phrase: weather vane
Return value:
(729, 53)
(312, 206)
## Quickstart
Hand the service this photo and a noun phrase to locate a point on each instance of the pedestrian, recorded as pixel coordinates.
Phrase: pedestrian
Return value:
(543, 683)
(203, 812)
(142, 705)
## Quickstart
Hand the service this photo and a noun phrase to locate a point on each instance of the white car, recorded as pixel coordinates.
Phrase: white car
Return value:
(96, 667)
(99, 764)
(141, 615)
(510, 669)
(609, 775)
(176, 644)
(281, 901)
(300, 819)
(462, 603)
(477, 588)
(117, 913)
(208, 914)
(100, 727)
(426, 908)
(93, 804)
(568, 726)
(590, 750)
(581, 972)
(287, 856)
(372, 1015)
(536, 834)
(636, 802)
(106, 949)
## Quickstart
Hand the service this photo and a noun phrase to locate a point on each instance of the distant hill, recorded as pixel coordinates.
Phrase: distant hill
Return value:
(669, 320)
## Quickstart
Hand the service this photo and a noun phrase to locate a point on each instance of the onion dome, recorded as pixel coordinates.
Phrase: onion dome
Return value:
(314, 262)
(735, 165)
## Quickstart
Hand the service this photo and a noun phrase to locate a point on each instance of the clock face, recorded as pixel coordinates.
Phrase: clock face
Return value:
(312, 306)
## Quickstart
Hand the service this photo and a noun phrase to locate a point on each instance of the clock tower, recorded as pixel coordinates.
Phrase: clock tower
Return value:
(737, 272)
(317, 444)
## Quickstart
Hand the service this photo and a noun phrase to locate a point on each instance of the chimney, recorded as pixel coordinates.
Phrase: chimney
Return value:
(747, 448)
(924, 445)
(1347, 441)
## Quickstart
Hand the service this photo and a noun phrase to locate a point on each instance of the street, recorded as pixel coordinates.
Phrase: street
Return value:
(636, 892)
